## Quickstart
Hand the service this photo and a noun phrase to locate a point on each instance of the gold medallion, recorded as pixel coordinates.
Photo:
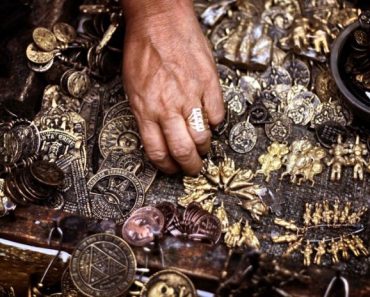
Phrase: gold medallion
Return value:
(64, 32)
(44, 39)
(38, 57)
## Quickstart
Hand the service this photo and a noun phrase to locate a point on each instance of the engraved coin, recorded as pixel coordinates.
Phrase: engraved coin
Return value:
(308, 96)
(139, 230)
(64, 32)
(102, 265)
(38, 57)
(135, 162)
(152, 212)
(119, 132)
(168, 210)
(279, 129)
(47, 173)
(236, 100)
(299, 71)
(168, 282)
(294, 91)
(115, 193)
(327, 133)
(325, 86)
(44, 39)
(243, 137)
(250, 86)
(117, 110)
(78, 83)
(275, 75)
(300, 111)
(258, 114)
(208, 226)
(68, 288)
(28, 135)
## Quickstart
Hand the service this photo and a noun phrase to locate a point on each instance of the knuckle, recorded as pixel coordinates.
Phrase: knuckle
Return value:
(202, 138)
(157, 156)
(182, 152)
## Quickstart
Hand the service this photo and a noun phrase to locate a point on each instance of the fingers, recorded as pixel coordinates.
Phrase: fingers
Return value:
(155, 147)
(180, 144)
(213, 102)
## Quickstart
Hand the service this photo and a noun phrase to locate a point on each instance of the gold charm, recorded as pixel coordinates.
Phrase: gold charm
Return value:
(232, 235)
(317, 214)
(285, 238)
(339, 152)
(272, 160)
(248, 238)
(303, 162)
(307, 252)
(221, 214)
(334, 250)
(320, 251)
(307, 215)
(208, 205)
(289, 225)
(357, 152)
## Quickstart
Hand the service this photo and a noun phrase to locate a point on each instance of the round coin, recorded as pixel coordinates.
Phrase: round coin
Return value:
(38, 57)
(47, 173)
(115, 193)
(236, 100)
(64, 32)
(300, 112)
(152, 212)
(279, 129)
(102, 265)
(299, 71)
(119, 132)
(139, 230)
(275, 75)
(168, 282)
(44, 39)
(168, 210)
(208, 226)
(117, 110)
(243, 137)
(258, 114)
(78, 83)
(327, 133)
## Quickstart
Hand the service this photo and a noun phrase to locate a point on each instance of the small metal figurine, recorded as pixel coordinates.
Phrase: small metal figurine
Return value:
(357, 152)
(317, 214)
(289, 225)
(339, 152)
(336, 212)
(248, 238)
(307, 217)
(360, 245)
(327, 213)
(345, 212)
(208, 205)
(293, 247)
(232, 236)
(343, 247)
(285, 238)
(307, 252)
(334, 250)
(320, 251)
(221, 214)
(300, 34)
(272, 160)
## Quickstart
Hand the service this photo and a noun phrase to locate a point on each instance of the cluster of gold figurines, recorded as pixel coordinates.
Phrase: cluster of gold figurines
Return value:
(343, 221)
(348, 154)
(303, 160)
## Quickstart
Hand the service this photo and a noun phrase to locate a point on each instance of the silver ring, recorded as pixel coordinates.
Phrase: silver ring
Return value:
(198, 120)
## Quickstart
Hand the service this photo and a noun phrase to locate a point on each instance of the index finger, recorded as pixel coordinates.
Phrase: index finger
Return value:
(181, 145)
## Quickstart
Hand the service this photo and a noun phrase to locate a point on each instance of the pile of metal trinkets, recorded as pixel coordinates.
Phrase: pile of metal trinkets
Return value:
(82, 153)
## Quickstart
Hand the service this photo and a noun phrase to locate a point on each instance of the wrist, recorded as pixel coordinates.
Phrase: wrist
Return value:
(153, 14)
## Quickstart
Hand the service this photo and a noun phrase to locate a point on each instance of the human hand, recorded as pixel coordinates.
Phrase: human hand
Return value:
(168, 70)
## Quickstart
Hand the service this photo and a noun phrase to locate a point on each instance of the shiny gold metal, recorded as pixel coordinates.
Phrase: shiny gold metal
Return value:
(334, 250)
(307, 252)
(248, 238)
(320, 251)
(44, 39)
(327, 213)
(293, 247)
(339, 152)
(289, 225)
(272, 160)
(307, 217)
(345, 213)
(317, 214)
(221, 214)
(357, 152)
(232, 235)
(208, 204)
(285, 238)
